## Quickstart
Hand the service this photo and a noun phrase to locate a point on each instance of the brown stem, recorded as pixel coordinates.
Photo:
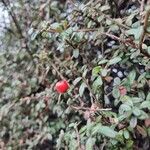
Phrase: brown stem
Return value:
(58, 72)
(89, 88)
(144, 32)
(142, 7)
(13, 16)
(78, 138)
(89, 109)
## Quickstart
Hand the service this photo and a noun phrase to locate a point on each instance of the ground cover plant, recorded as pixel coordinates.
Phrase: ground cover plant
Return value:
(75, 75)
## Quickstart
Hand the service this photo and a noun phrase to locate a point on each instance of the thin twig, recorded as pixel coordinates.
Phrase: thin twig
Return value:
(144, 31)
(142, 7)
(69, 43)
(89, 88)
(117, 22)
(103, 145)
(78, 138)
(45, 4)
(89, 109)
(58, 72)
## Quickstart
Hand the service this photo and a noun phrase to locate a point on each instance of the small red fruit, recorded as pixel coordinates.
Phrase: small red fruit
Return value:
(62, 86)
(123, 90)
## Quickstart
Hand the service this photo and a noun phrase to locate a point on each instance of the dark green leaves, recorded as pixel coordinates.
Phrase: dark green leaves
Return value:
(133, 122)
(97, 83)
(75, 53)
(132, 76)
(97, 50)
(136, 32)
(114, 61)
(82, 88)
(77, 80)
(116, 93)
(145, 104)
(104, 130)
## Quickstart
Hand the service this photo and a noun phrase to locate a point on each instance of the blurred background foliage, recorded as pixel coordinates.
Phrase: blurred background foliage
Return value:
(102, 48)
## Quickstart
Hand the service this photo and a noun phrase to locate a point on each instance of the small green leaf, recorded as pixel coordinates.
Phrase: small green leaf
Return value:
(34, 35)
(75, 53)
(77, 80)
(105, 7)
(136, 100)
(143, 115)
(30, 31)
(148, 97)
(142, 76)
(98, 82)
(124, 108)
(129, 103)
(104, 130)
(72, 125)
(136, 32)
(104, 72)
(107, 131)
(82, 88)
(90, 143)
(100, 18)
(132, 76)
(145, 104)
(85, 73)
(136, 111)
(133, 122)
(116, 93)
(83, 129)
(96, 70)
(135, 54)
(104, 61)
(117, 81)
(126, 134)
(114, 61)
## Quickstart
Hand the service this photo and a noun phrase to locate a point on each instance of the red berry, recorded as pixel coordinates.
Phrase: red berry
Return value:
(123, 90)
(62, 86)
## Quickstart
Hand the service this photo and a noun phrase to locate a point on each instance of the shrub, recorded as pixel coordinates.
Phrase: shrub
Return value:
(102, 49)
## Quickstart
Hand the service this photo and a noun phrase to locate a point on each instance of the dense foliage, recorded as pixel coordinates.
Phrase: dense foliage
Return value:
(102, 49)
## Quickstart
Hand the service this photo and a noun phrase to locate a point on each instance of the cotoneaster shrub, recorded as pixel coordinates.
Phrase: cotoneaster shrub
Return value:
(101, 50)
